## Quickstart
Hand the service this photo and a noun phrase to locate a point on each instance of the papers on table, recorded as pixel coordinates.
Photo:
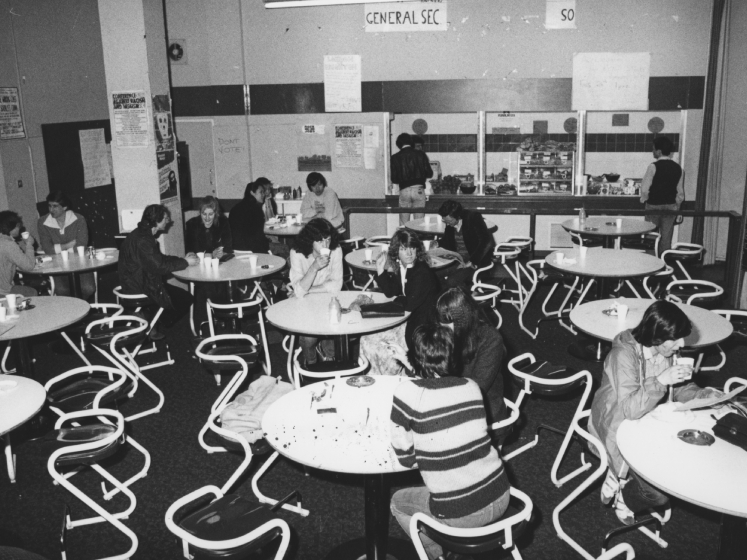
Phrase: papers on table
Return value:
(708, 402)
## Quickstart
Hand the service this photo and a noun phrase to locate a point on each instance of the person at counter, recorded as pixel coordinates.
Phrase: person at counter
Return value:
(410, 168)
(60, 230)
(142, 267)
(321, 201)
(247, 221)
(14, 255)
(467, 238)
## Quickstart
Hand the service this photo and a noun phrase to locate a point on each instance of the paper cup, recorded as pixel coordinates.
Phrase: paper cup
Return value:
(208, 260)
(689, 362)
(439, 218)
(619, 222)
(324, 251)
(201, 256)
(65, 255)
(57, 248)
(622, 311)
(215, 263)
(3, 312)
(11, 299)
(25, 235)
(427, 244)
(559, 257)
(427, 220)
(81, 251)
(369, 254)
(299, 218)
(253, 261)
(582, 251)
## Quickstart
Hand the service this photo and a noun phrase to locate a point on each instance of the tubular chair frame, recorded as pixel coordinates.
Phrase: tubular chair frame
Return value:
(510, 250)
(684, 249)
(483, 291)
(717, 290)
(548, 315)
(299, 372)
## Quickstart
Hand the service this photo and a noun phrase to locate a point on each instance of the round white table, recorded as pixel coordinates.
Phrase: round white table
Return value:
(357, 259)
(237, 269)
(607, 228)
(50, 313)
(713, 477)
(435, 226)
(282, 229)
(708, 327)
(74, 267)
(354, 438)
(21, 398)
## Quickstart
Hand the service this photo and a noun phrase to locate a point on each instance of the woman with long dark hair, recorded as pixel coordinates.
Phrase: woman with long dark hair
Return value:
(637, 372)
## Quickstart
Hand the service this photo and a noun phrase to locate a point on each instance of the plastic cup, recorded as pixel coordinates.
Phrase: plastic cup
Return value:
(427, 244)
(427, 220)
(253, 261)
(440, 219)
(65, 255)
(619, 222)
(25, 235)
(582, 251)
(215, 263)
(622, 311)
(11, 299)
(3, 312)
(369, 254)
(57, 248)
(81, 251)
(688, 362)
(299, 218)
(324, 251)
(208, 260)
(201, 256)
(559, 257)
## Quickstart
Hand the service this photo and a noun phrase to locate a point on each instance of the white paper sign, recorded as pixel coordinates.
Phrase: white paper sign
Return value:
(11, 123)
(95, 156)
(231, 153)
(348, 145)
(371, 136)
(406, 16)
(312, 129)
(342, 83)
(610, 81)
(560, 14)
(131, 128)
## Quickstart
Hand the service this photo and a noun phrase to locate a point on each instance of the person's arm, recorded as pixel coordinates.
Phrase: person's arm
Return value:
(634, 400)
(301, 280)
(81, 232)
(24, 258)
(45, 237)
(448, 240)
(486, 364)
(485, 239)
(394, 170)
(692, 391)
(226, 239)
(333, 210)
(333, 283)
(153, 260)
(428, 169)
(648, 179)
(680, 190)
(401, 432)
(308, 211)
(416, 288)
(389, 283)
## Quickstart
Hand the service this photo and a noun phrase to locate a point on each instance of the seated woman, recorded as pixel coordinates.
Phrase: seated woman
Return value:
(402, 273)
(637, 372)
(316, 266)
(14, 255)
(479, 351)
(321, 201)
(465, 481)
(60, 230)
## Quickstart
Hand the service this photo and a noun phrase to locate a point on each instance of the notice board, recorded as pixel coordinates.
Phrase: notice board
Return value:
(610, 81)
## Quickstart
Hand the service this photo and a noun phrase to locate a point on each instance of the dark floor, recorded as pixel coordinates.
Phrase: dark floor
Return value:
(31, 509)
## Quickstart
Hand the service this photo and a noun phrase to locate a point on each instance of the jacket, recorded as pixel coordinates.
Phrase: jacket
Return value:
(410, 167)
(628, 392)
(420, 295)
(199, 238)
(142, 266)
(50, 233)
(477, 238)
(247, 220)
(13, 258)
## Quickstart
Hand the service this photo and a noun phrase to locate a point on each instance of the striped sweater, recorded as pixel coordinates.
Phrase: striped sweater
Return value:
(439, 426)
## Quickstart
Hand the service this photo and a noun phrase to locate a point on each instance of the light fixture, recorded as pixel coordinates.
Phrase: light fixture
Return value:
(309, 3)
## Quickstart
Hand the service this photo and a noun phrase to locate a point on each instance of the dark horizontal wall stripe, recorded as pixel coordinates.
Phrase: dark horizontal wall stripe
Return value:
(672, 93)
(626, 142)
(208, 101)
(293, 99)
(619, 142)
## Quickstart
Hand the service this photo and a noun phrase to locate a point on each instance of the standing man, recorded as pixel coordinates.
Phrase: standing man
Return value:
(663, 188)
(247, 221)
(410, 168)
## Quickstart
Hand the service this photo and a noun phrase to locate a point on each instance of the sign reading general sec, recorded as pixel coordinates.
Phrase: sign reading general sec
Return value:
(426, 15)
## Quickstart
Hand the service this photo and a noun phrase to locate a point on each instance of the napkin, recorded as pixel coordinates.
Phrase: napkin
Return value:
(569, 261)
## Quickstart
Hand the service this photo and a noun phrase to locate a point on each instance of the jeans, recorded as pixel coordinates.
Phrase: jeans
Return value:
(409, 501)
(665, 223)
(308, 345)
(87, 285)
(639, 495)
(411, 197)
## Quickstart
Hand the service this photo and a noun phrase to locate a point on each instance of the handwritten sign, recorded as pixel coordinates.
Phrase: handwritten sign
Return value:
(342, 83)
(560, 14)
(11, 123)
(95, 156)
(231, 151)
(427, 15)
(610, 81)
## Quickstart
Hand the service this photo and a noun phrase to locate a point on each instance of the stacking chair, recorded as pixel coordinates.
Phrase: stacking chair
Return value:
(501, 534)
(378, 241)
(693, 292)
(77, 331)
(738, 318)
(646, 242)
(486, 294)
(330, 373)
(514, 251)
(681, 253)
(539, 276)
(87, 445)
(734, 381)
(548, 380)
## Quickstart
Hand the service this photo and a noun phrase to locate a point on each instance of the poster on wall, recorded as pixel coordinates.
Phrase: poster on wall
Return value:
(11, 123)
(95, 156)
(168, 184)
(130, 119)
(348, 145)
(342, 83)
(162, 127)
(314, 145)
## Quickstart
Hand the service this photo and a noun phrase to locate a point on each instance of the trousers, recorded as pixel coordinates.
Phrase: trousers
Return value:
(665, 223)
(411, 197)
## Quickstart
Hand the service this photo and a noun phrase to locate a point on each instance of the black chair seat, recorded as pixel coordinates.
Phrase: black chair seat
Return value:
(101, 335)
(638, 243)
(249, 353)
(77, 435)
(79, 394)
(229, 517)
(478, 545)
(328, 367)
(546, 370)
(132, 303)
(80, 326)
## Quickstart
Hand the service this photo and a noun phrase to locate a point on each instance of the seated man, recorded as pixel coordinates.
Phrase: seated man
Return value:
(142, 267)
(247, 221)
(14, 255)
(321, 201)
(467, 238)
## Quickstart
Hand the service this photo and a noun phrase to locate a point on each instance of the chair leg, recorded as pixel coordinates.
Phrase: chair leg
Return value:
(10, 459)
(264, 499)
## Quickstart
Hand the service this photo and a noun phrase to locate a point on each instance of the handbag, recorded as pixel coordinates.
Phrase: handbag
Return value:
(386, 309)
(732, 427)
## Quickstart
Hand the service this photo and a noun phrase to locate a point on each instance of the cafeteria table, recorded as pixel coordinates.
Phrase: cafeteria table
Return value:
(347, 430)
(21, 398)
(434, 226)
(710, 476)
(283, 230)
(74, 266)
(357, 259)
(606, 228)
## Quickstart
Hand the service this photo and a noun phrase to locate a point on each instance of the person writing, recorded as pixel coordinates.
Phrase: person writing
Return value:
(438, 426)
(637, 372)
(410, 168)
(14, 255)
(663, 188)
(321, 201)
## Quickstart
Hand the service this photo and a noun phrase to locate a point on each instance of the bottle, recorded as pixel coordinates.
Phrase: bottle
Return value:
(581, 215)
(335, 311)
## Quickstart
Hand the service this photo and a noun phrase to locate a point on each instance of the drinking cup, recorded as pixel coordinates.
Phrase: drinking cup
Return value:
(3, 312)
(215, 263)
(11, 299)
(688, 362)
(427, 244)
(439, 219)
(81, 251)
(619, 222)
(622, 311)
(582, 251)
(25, 235)
(100, 255)
(65, 255)
(208, 260)
(253, 261)
(324, 251)
(299, 218)
(57, 248)
(201, 256)
(559, 257)
(369, 254)
(427, 220)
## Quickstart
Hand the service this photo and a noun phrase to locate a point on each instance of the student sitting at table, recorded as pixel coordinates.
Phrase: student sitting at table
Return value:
(316, 266)
(402, 273)
(14, 255)
(142, 267)
(467, 238)
(637, 372)
(247, 221)
(60, 230)
(438, 426)
(321, 201)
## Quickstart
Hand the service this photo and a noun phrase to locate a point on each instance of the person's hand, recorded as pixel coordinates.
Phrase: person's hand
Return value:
(321, 261)
(192, 259)
(218, 253)
(398, 353)
(466, 265)
(381, 262)
(674, 374)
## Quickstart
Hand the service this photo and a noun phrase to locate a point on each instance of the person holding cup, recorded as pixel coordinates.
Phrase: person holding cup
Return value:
(14, 255)
(316, 266)
(637, 372)
(321, 201)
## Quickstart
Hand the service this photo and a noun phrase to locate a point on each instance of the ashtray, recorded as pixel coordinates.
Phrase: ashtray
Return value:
(696, 437)
(361, 381)
(610, 223)
(591, 229)
(609, 312)
(371, 262)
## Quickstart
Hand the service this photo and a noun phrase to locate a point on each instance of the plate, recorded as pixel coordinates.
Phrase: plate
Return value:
(360, 381)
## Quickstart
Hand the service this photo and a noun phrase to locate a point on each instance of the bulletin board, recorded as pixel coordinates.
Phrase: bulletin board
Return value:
(65, 172)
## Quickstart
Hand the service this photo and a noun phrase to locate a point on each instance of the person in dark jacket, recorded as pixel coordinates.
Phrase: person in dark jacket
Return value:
(247, 220)
(410, 168)
(466, 235)
(142, 267)
(209, 232)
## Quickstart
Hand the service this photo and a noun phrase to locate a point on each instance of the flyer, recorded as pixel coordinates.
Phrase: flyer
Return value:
(348, 145)
(95, 156)
(11, 123)
(162, 127)
(130, 119)
(342, 83)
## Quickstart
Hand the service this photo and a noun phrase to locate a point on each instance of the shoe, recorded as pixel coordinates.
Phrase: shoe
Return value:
(156, 335)
(610, 488)
(623, 512)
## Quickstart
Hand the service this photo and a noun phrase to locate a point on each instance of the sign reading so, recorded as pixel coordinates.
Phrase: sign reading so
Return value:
(426, 15)
(560, 14)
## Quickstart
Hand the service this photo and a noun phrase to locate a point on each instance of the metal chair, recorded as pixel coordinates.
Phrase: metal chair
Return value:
(378, 241)
(332, 373)
(485, 293)
(681, 253)
(501, 534)
(514, 250)
(734, 316)
(645, 242)
(693, 292)
(540, 277)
